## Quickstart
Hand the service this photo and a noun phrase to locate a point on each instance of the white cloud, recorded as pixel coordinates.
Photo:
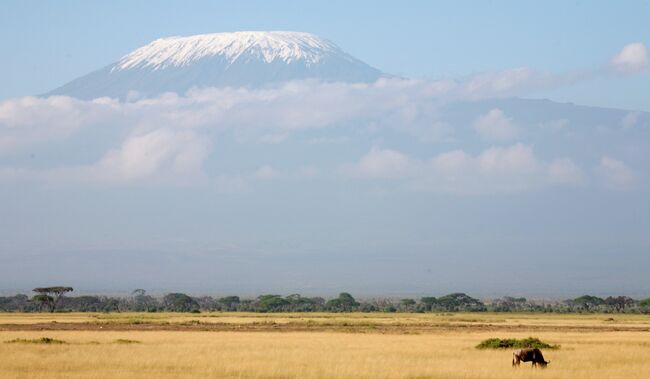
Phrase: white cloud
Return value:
(380, 163)
(262, 115)
(179, 153)
(496, 126)
(159, 156)
(451, 163)
(517, 159)
(172, 138)
(633, 58)
(616, 174)
(503, 82)
(565, 171)
(29, 121)
(508, 169)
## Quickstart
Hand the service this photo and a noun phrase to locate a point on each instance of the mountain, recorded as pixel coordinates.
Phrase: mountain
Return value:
(240, 59)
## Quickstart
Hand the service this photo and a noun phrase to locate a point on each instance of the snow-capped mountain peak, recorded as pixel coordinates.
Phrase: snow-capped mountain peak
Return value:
(238, 59)
(269, 46)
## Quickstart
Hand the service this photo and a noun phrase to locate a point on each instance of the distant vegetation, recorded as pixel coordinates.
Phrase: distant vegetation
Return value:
(52, 299)
(43, 340)
(125, 341)
(507, 343)
(49, 297)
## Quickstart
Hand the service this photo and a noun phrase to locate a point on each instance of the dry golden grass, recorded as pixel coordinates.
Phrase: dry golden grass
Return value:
(444, 354)
(595, 321)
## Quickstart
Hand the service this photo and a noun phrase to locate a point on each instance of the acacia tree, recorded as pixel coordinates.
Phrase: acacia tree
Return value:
(142, 302)
(179, 302)
(50, 296)
(344, 303)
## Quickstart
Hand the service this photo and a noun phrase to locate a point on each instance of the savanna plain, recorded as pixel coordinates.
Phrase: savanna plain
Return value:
(316, 345)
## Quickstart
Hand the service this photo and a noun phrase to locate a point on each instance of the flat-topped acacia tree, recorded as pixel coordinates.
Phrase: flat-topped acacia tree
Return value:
(50, 296)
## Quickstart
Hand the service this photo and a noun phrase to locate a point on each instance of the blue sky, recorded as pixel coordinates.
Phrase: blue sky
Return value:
(49, 43)
(461, 180)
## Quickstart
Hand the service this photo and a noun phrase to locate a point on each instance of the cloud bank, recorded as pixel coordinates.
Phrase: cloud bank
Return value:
(393, 130)
(506, 169)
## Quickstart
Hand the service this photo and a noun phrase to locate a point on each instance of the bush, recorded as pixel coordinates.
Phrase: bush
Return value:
(506, 343)
(125, 341)
(42, 340)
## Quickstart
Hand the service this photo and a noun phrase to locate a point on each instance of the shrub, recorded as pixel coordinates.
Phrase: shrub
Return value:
(530, 342)
(42, 340)
(125, 341)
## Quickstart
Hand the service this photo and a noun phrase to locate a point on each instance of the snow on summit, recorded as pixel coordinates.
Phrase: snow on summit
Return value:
(238, 59)
(268, 46)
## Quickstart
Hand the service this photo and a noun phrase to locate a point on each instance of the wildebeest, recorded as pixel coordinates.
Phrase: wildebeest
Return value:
(528, 355)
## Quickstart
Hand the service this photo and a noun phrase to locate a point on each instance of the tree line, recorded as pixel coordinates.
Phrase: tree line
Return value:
(52, 299)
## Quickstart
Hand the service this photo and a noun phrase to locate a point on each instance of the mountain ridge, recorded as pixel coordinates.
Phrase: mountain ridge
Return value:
(237, 59)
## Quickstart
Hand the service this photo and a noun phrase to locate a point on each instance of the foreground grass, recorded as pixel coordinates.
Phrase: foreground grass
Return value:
(313, 355)
(322, 355)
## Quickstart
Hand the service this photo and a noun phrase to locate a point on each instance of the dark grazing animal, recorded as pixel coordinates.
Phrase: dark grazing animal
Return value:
(528, 355)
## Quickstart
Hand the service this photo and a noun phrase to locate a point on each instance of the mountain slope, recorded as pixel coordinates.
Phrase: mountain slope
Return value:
(240, 59)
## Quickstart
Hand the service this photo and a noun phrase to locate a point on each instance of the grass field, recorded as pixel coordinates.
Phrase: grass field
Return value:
(318, 346)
